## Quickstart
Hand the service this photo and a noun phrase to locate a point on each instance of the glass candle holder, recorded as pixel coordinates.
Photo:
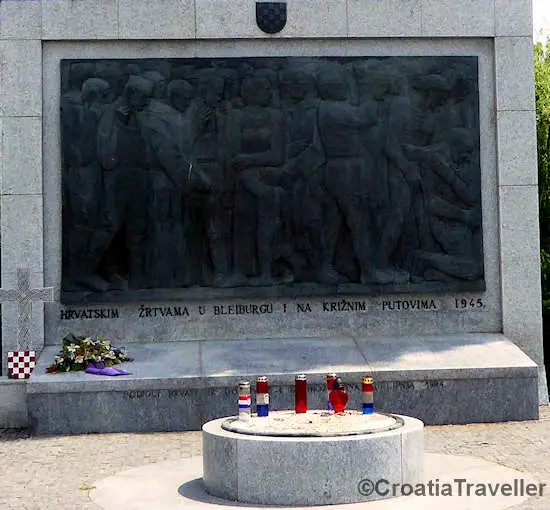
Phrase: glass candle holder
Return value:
(262, 396)
(300, 396)
(338, 396)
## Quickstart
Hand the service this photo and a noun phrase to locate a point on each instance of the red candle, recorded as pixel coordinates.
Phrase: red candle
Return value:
(262, 396)
(300, 396)
(262, 385)
(338, 396)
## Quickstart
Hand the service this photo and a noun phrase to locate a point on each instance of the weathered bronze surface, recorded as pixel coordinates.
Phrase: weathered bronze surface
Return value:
(287, 176)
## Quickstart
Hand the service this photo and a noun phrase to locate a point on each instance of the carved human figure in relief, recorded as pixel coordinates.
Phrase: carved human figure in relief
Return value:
(83, 191)
(210, 118)
(349, 171)
(189, 256)
(302, 240)
(147, 171)
(454, 210)
(117, 253)
(397, 177)
(173, 176)
(256, 137)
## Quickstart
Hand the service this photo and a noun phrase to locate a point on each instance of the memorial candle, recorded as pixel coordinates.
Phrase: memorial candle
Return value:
(368, 395)
(262, 396)
(244, 401)
(300, 396)
(338, 396)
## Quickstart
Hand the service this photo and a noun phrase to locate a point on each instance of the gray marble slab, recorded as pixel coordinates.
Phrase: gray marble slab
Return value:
(514, 57)
(384, 18)
(13, 403)
(20, 20)
(174, 19)
(21, 84)
(166, 366)
(513, 18)
(21, 155)
(445, 356)
(21, 230)
(517, 148)
(459, 19)
(281, 356)
(93, 19)
(456, 379)
(159, 410)
(521, 304)
(461, 401)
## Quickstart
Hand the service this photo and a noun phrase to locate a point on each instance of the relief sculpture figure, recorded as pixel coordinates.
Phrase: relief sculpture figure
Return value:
(257, 136)
(349, 171)
(455, 210)
(146, 171)
(83, 188)
(211, 116)
(122, 151)
(391, 186)
(303, 240)
(403, 176)
(172, 175)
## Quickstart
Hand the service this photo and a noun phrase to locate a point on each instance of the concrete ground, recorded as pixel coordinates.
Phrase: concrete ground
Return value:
(49, 473)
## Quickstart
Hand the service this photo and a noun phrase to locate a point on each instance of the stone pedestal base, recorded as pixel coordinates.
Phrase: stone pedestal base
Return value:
(175, 386)
(272, 470)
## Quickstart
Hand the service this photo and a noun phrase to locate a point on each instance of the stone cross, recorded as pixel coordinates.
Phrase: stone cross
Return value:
(24, 296)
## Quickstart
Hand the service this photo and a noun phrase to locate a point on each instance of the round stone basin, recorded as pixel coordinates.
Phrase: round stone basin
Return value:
(315, 458)
(315, 423)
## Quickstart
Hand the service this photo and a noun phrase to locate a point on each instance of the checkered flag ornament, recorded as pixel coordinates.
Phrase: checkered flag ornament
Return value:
(271, 16)
(20, 364)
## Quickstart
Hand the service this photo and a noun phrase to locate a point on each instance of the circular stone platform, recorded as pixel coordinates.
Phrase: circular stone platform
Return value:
(177, 485)
(313, 424)
(306, 465)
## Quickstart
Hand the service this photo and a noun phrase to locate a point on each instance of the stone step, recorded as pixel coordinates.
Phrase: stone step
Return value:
(448, 379)
(13, 403)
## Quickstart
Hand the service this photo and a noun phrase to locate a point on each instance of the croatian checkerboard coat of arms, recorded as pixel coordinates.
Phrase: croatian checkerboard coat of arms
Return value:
(271, 16)
(21, 364)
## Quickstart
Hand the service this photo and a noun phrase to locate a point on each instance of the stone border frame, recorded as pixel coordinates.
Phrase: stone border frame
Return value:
(446, 319)
(507, 25)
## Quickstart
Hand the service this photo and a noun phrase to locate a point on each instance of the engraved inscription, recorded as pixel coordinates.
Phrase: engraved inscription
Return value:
(410, 304)
(469, 304)
(243, 309)
(342, 305)
(89, 313)
(155, 394)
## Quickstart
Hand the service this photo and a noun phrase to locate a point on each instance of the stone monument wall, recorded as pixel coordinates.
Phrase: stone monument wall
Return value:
(36, 36)
(270, 315)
